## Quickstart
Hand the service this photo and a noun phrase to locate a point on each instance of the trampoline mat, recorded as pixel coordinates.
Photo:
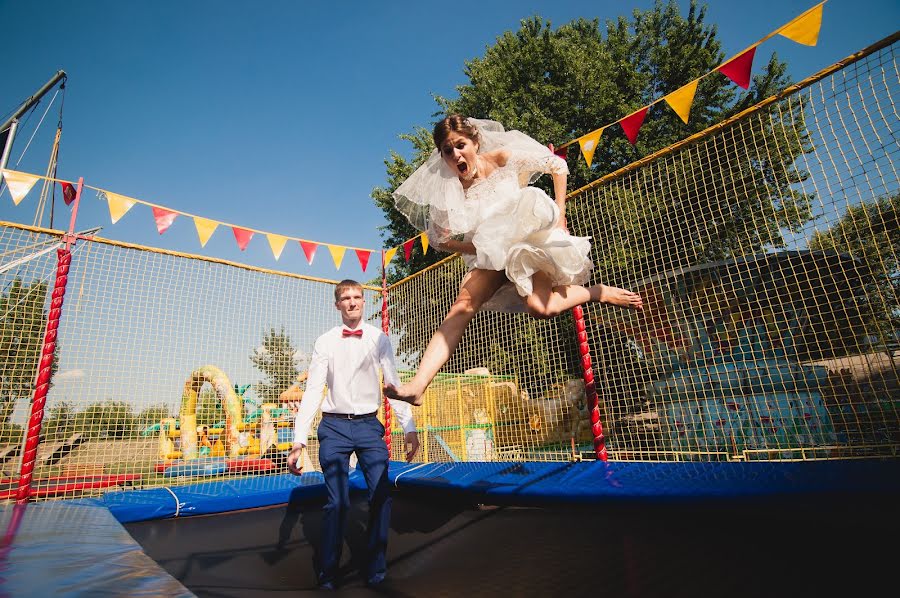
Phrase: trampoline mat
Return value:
(827, 545)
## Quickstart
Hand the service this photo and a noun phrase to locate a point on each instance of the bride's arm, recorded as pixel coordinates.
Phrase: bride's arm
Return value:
(559, 192)
(453, 246)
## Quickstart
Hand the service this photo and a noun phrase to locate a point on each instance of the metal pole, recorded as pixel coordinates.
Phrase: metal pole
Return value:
(7, 149)
(27, 104)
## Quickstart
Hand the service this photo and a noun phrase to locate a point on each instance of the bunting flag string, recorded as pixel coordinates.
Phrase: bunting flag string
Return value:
(803, 29)
(20, 183)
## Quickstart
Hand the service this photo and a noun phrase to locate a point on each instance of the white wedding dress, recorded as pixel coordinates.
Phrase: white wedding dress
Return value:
(512, 225)
(515, 230)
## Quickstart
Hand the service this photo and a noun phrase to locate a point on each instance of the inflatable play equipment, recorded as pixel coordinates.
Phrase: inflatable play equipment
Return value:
(256, 443)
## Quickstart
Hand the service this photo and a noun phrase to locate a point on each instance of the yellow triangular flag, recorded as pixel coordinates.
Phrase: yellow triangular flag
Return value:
(337, 254)
(589, 143)
(276, 242)
(424, 243)
(205, 229)
(118, 205)
(389, 255)
(19, 184)
(805, 28)
(681, 99)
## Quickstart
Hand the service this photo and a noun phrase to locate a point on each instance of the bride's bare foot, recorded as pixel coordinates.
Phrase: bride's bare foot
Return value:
(404, 393)
(616, 296)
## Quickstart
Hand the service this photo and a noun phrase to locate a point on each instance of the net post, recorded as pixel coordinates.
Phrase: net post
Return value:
(590, 386)
(385, 327)
(45, 366)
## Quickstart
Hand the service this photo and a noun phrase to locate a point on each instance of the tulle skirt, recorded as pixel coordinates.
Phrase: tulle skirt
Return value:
(523, 239)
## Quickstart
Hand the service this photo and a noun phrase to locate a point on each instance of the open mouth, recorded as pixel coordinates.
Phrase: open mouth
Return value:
(463, 168)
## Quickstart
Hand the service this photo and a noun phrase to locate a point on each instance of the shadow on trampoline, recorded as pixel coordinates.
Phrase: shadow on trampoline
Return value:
(441, 547)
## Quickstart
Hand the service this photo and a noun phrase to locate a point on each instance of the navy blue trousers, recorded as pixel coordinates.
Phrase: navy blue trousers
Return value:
(338, 438)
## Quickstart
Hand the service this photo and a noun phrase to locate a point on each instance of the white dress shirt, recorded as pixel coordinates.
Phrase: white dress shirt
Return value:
(348, 368)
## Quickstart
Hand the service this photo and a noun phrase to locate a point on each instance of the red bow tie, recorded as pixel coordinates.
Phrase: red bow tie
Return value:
(348, 332)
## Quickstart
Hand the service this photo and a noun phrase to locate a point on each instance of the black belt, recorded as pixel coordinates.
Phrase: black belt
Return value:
(349, 415)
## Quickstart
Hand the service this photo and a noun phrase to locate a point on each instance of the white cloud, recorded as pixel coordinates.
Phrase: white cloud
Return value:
(68, 375)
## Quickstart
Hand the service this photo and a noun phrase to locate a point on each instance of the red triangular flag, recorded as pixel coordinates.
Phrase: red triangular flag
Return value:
(631, 124)
(738, 69)
(68, 190)
(407, 248)
(163, 218)
(309, 250)
(363, 255)
(242, 236)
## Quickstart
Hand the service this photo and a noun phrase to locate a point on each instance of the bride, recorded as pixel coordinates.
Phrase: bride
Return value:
(472, 196)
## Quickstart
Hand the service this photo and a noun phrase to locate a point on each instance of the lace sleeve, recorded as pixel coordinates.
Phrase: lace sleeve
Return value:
(437, 234)
(548, 163)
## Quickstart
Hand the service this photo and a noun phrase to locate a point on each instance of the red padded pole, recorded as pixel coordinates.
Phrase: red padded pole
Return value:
(384, 326)
(590, 386)
(45, 367)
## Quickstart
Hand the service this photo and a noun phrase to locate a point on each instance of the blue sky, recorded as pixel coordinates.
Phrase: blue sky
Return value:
(278, 115)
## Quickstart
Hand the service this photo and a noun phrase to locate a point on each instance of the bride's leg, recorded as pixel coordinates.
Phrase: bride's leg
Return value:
(547, 301)
(478, 287)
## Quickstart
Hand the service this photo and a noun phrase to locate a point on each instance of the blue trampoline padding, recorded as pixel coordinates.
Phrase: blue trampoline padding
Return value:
(596, 481)
(217, 497)
(74, 548)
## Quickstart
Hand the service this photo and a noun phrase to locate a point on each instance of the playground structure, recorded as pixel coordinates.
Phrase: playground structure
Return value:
(233, 442)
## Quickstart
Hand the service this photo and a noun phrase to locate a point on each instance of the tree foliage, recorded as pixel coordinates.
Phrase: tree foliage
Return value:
(22, 326)
(107, 419)
(870, 233)
(277, 359)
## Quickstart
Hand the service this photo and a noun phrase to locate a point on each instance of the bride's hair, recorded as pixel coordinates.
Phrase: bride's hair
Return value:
(457, 123)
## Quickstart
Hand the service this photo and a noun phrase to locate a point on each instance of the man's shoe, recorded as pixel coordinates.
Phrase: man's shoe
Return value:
(376, 582)
(326, 586)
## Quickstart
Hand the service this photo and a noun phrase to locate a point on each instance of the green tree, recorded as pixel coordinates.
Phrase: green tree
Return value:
(209, 408)
(60, 420)
(277, 359)
(22, 326)
(558, 84)
(153, 415)
(107, 419)
(870, 233)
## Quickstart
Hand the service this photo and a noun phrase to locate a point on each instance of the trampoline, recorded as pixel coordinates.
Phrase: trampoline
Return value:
(520, 529)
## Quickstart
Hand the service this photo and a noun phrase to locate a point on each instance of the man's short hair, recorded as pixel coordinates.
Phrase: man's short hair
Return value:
(347, 283)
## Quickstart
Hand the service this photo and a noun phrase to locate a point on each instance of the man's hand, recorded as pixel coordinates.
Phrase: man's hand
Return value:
(412, 445)
(295, 465)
